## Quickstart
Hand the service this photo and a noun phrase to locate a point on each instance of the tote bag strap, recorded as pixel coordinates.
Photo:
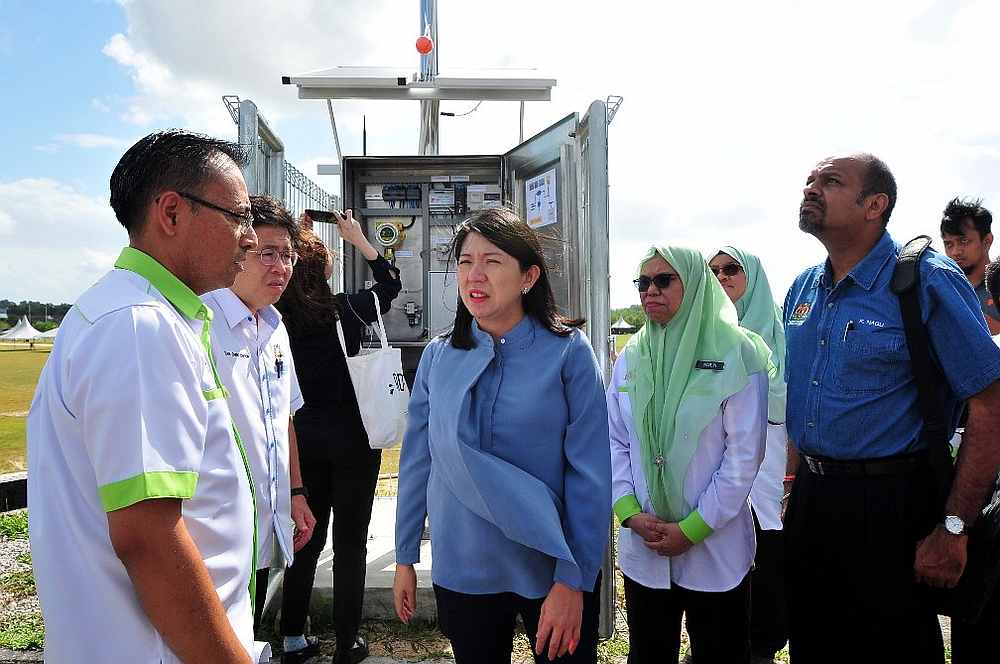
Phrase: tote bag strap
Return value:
(380, 328)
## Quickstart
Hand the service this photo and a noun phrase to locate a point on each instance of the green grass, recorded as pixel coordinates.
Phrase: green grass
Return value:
(14, 525)
(19, 370)
(22, 631)
(19, 584)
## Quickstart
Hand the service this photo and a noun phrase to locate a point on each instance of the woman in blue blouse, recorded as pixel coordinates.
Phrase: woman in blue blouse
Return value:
(507, 451)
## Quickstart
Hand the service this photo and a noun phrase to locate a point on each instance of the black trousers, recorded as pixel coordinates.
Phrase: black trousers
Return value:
(850, 548)
(979, 643)
(261, 595)
(768, 606)
(347, 487)
(718, 624)
(481, 627)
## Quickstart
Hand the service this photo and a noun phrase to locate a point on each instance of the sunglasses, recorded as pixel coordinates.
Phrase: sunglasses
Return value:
(730, 269)
(661, 280)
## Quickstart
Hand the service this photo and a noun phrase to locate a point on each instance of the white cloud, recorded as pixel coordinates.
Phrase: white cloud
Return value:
(89, 141)
(56, 240)
(727, 104)
(100, 105)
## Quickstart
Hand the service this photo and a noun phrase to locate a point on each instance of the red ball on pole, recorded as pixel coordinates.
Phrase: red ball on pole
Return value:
(424, 45)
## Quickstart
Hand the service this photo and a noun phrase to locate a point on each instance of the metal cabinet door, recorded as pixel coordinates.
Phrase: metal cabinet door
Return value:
(575, 240)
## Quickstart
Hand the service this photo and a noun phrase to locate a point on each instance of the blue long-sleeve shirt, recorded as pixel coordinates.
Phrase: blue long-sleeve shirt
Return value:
(507, 450)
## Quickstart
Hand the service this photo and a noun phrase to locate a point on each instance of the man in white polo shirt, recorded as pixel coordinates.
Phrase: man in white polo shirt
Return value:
(252, 353)
(141, 502)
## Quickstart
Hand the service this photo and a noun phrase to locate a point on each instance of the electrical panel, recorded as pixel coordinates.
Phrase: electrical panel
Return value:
(409, 207)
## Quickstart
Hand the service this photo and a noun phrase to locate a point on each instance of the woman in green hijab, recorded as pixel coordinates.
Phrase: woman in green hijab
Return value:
(687, 416)
(743, 279)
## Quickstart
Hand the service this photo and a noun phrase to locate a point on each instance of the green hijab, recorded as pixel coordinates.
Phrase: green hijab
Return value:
(758, 312)
(680, 373)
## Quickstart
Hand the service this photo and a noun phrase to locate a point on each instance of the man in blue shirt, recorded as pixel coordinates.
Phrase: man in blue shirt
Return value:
(863, 526)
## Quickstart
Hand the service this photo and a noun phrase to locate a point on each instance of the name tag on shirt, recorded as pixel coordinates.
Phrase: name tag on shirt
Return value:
(712, 365)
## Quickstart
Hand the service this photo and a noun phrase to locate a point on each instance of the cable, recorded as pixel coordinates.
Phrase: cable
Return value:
(458, 115)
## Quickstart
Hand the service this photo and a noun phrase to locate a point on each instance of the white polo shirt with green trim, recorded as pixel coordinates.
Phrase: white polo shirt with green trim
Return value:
(254, 360)
(128, 408)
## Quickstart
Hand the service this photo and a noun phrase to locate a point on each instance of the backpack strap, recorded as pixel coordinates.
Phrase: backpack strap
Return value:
(905, 284)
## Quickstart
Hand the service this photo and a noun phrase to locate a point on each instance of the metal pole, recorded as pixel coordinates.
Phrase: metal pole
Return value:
(430, 110)
(520, 134)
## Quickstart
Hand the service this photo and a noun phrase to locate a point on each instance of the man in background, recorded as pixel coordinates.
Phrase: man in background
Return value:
(254, 359)
(966, 233)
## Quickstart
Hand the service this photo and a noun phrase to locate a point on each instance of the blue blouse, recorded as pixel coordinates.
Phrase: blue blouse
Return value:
(507, 450)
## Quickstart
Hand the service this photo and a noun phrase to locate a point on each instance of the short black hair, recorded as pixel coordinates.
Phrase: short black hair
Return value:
(878, 179)
(172, 159)
(960, 209)
(993, 279)
(269, 211)
(503, 228)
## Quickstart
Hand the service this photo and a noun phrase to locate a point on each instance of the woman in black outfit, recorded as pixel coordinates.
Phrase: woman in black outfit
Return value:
(339, 469)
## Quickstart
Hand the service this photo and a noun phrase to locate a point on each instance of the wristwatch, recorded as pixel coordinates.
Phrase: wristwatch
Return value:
(954, 525)
(301, 491)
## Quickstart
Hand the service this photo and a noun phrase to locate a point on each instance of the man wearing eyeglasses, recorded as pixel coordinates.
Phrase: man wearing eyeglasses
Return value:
(252, 352)
(142, 511)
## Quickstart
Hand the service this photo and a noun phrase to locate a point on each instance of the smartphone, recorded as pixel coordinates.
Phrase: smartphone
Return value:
(322, 215)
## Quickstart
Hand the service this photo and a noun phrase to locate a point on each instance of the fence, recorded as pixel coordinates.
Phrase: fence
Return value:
(268, 173)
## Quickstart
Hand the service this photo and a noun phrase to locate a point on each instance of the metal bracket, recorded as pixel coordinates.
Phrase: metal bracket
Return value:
(613, 103)
(232, 103)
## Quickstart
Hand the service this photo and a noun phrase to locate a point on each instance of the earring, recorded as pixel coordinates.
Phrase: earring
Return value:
(524, 291)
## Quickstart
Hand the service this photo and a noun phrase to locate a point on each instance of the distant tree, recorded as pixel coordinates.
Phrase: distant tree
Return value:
(633, 315)
(36, 311)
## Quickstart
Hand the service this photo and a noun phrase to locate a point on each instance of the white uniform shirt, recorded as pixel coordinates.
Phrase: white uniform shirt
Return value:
(127, 409)
(254, 361)
(717, 482)
(768, 488)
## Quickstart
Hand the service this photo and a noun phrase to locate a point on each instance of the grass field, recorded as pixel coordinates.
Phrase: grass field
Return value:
(19, 369)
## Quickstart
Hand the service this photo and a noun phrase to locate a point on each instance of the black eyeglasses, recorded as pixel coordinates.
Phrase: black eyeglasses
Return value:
(268, 257)
(661, 280)
(244, 219)
(729, 269)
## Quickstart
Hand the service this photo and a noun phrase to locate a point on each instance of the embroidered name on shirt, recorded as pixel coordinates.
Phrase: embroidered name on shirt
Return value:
(230, 353)
(713, 365)
(800, 313)
(871, 323)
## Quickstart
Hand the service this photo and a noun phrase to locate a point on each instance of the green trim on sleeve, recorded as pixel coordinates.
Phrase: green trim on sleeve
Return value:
(627, 506)
(158, 484)
(695, 528)
(217, 393)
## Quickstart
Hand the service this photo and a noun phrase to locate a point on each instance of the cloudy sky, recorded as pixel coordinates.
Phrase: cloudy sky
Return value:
(727, 106)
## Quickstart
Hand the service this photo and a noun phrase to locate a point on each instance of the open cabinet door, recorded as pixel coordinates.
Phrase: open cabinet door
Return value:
(558, 182)
(540, 179)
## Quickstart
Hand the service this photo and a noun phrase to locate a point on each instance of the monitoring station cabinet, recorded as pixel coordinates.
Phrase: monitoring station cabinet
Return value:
(409, 208)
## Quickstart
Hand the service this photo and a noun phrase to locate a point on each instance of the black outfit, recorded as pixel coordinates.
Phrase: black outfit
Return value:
(339, 469)
(718, 623)
(481, 627)
(768, 607)
(850, 546)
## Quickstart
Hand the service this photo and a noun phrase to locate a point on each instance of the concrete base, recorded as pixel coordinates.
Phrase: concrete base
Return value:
(381, 561)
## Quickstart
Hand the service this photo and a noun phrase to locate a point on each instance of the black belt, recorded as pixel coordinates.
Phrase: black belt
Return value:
(864, 468)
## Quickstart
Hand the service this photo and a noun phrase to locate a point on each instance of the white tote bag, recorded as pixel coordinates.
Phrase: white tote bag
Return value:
(383, 396)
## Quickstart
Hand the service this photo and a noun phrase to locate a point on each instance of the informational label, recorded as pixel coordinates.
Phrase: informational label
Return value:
(440, 178)
(459, 178)
(540, 196)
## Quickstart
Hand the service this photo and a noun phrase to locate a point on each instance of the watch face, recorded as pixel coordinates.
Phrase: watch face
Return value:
(954, 525)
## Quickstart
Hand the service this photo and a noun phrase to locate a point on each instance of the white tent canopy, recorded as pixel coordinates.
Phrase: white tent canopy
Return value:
(622, 326)
(23, 331)
(50, 334)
